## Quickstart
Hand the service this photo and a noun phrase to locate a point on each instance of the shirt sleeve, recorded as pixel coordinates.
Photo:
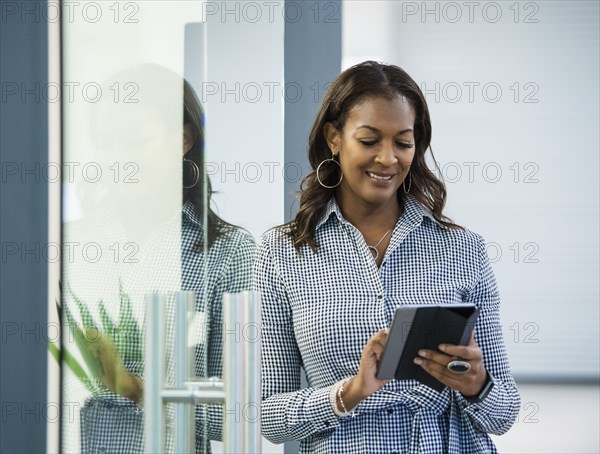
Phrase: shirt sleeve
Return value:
(499, 410)
(287, 412)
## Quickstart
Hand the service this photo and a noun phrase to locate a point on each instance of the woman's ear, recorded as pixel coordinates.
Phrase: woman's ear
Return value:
(188, 138)
(332, 137)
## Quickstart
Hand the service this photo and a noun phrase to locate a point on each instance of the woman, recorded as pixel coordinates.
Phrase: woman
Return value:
(371, 235)
(179, 244)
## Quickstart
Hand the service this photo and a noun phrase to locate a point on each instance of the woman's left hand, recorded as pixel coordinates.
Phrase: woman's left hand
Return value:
(435, 363)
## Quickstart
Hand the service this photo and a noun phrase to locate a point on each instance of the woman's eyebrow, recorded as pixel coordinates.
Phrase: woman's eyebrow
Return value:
(372, 128)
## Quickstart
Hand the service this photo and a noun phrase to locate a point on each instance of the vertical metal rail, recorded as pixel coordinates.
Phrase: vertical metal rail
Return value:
(241, 372)
(252, 318)
(154, 373)
(239, 391)
(184, 303)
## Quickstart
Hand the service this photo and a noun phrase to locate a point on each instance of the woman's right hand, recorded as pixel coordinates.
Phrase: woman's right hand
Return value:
(365, 383)
(102, 358)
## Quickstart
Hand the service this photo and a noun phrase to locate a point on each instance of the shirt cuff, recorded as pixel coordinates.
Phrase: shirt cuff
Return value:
(319, 411)
(488, 405)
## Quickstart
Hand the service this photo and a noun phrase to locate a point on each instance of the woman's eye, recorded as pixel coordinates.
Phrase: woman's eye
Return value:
(404, 144)
(368, 143)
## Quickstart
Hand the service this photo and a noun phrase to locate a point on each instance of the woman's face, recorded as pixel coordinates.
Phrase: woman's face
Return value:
(376, 148)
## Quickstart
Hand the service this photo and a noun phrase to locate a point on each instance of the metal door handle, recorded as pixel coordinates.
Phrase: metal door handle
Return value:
(238, 391)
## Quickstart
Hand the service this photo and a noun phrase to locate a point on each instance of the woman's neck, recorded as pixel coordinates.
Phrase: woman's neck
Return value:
(370, 217)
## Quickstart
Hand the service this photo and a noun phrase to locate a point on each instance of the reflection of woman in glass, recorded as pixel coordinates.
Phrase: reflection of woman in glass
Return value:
(193, 250)
(370, 235)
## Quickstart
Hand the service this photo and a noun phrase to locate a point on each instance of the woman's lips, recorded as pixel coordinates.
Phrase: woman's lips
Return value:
(380, 177)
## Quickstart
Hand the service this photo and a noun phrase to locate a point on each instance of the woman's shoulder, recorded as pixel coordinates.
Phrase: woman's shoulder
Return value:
(463, 240)
(278, 243)
(464, 234)
(232, 252)
(277, 236)
(235, 238)
(432, 226)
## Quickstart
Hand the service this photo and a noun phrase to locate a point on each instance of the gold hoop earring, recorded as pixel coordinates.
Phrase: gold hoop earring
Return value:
(406, 191)
(341, 173)
(196, 172)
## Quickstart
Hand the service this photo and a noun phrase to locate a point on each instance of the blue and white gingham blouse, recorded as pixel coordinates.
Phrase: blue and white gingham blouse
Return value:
(319, 310)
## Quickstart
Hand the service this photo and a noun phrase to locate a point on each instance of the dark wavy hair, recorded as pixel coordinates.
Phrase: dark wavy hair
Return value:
(366, 80)
(199, 194)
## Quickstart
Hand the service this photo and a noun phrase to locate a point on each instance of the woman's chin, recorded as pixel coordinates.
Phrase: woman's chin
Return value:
(380, 200)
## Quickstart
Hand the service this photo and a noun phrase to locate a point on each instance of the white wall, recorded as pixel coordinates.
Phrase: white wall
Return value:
(554, 419)
(244, 105)
(540, 214)
(244, 119)
(519, 152)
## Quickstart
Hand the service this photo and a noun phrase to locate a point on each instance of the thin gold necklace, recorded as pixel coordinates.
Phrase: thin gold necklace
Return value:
(374, 249)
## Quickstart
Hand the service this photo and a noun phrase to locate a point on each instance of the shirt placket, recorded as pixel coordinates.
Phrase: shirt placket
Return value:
(403, 228)
(372, 275)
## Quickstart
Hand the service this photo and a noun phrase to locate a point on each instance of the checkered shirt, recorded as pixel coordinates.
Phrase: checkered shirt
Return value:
(112, 423)
(320, 309)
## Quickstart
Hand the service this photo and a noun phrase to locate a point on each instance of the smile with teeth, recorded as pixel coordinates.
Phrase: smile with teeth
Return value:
(380, 177)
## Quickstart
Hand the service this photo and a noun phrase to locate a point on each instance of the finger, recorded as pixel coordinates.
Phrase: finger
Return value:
(472, 339)
(377, 343)
(380, 338)
(441, 373)
(465, 352)
(465, 383)
(381, 335)
(377, 349)
(437, 357)
(371, 352)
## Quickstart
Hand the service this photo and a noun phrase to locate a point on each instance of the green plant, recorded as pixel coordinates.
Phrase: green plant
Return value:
(98, 344)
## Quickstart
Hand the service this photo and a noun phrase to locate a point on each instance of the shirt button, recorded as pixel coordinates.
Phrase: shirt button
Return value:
(380, 297)
(476, 409)
(327, 423)
(390, 411)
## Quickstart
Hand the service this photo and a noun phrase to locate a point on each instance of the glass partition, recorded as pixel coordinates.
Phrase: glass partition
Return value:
(139, 218)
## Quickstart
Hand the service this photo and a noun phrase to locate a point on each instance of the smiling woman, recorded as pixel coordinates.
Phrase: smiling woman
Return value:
(332, 278)
(370, 110)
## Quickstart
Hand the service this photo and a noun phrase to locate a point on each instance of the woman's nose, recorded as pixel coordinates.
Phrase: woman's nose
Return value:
(386, 155)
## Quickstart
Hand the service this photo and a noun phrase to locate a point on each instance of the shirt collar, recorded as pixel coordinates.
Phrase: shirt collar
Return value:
(192, 214)
(331, 208)
(413, 212)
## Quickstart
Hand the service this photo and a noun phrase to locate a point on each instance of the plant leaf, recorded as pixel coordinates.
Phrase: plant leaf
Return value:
(129, 342)
(86, 316)
(91, 360)
(72, 364)
(54, 350)
(108, 326)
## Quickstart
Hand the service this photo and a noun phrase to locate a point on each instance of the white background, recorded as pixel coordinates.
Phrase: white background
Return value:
(540, 221)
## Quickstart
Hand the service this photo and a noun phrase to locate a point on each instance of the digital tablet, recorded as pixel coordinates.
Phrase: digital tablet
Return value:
(417, 327)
